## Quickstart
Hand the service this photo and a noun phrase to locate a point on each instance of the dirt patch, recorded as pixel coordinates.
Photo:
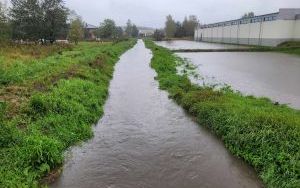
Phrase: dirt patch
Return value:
(28, 52)
(44, 85)
(13, 96)
(99, 63)
(51, 176)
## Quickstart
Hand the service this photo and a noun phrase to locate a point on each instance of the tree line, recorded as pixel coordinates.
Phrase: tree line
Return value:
(109, 30)
(49, 20)
(180, 29)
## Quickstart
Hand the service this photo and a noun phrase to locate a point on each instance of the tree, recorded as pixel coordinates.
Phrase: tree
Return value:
(4, 24)
(248, 15)
(119, 32)
(27, 18)
(36, 19)
(189, 25)
(55, 19)
(193, 23)
(135, 31)
(107, 29)
(158, 35)
(170, 27)
(76, 30)
(128, 29)
(179, 30)
(185, 26)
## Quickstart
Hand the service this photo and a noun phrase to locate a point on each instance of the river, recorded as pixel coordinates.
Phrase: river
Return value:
(146, 140)
(272, 75)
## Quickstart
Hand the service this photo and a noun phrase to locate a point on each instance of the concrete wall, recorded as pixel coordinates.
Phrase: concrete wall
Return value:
(284, 26)
(269, 33)
(297, 30)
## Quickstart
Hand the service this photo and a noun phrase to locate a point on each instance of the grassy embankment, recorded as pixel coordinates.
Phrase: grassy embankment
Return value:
(265, 135)
(49, 100)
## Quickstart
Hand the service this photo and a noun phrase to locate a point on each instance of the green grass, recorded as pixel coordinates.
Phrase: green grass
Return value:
(49, 104)
(265, 135)
(290, 47)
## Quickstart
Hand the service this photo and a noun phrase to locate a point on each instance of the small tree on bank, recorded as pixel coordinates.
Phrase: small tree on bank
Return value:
(76, 31)
(128, 29)
(131, 29)
(119, 32)
(135, 31)
(107, 29)
(170, 27)
(158, 35)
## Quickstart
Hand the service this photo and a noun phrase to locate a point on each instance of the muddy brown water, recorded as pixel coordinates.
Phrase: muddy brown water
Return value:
(263, 74)
(144, 140)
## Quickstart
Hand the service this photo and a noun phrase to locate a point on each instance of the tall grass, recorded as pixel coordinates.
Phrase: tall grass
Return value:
(62, 95)
(265, 135)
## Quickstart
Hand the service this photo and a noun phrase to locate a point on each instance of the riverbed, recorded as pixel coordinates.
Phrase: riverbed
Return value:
(272, 75)
(146, 140)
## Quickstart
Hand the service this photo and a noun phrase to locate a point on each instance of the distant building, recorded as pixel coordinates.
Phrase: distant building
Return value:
(90, 32)
(265, 30)
(146, 31)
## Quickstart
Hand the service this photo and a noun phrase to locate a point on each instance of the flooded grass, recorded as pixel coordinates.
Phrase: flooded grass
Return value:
(48, 104)
(264, 134)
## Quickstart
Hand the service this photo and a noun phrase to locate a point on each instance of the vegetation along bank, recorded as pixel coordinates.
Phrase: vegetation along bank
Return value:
(49, 99)
(264, 134)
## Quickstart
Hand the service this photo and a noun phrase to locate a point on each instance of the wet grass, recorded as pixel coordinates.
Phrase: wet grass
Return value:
(10, 52)
(264, 134)
(290, 47)
(48, 104)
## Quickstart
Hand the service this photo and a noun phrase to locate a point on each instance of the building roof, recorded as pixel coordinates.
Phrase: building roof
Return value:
(283, 14)
(89, 26)
(238, 20)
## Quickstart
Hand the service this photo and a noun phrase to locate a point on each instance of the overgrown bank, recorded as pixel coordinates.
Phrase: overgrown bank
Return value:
(265, 135)
(49, 104)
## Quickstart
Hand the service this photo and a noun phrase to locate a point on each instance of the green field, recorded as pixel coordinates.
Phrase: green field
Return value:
(50, 96)
(265, 135)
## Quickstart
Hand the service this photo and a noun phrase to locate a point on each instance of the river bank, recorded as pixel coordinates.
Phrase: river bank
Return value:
(50, 104)
(264, 134)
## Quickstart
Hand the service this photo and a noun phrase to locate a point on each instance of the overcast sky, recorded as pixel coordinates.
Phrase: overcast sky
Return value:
(152, 13)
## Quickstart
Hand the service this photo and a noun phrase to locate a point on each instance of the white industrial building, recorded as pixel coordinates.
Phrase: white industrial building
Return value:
(264, 30)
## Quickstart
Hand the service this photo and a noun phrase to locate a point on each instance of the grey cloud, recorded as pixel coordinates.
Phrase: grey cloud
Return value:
(152, 12)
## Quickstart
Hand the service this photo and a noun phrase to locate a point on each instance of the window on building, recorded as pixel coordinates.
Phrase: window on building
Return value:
(269, 18)
(244, 21)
